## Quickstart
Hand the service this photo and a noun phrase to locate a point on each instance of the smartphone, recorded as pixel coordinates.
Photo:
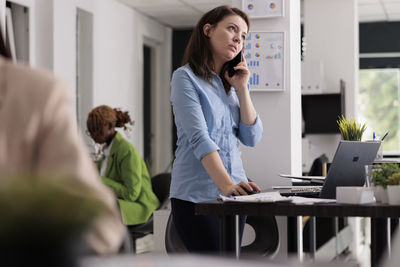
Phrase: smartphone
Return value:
(233, 63)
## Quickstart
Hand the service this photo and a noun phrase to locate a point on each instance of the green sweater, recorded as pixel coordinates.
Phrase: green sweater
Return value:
(126, 174)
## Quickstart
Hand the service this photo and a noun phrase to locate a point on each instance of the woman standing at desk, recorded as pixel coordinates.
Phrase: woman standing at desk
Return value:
(213, 112)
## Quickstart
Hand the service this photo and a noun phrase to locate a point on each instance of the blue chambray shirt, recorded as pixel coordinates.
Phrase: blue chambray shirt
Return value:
(207, 119)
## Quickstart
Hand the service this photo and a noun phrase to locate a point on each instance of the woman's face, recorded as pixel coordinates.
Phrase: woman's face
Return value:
(102, 136)
(227, 37)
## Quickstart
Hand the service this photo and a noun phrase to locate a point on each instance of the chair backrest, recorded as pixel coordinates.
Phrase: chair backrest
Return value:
(173, 242)
(316, 167)
(160, 184)
(266, 241)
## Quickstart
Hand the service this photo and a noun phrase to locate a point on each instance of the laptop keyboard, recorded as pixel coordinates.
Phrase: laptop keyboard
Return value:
(306, 189)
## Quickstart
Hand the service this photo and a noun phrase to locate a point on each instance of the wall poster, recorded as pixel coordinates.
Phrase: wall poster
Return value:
(264, 54)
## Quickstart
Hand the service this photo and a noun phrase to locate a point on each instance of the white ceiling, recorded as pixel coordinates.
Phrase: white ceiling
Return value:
(378, 10)
(186, 13)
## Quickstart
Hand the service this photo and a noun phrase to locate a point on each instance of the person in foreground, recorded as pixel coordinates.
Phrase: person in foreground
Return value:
(213, 112)
(121, 167)
(38, 138)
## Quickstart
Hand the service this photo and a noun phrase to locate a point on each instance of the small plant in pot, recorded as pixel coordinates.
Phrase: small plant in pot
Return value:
(380, 179)
(393, 189)
(350, 130)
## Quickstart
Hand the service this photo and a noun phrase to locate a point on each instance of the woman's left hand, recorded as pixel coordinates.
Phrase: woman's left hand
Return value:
(241, 78)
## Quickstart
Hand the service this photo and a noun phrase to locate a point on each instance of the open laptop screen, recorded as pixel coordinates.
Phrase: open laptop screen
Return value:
(347, 168)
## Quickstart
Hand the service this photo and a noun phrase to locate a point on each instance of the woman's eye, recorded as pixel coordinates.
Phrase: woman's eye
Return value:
(231, 28)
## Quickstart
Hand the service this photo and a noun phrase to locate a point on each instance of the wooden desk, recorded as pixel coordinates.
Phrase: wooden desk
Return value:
(228, 210)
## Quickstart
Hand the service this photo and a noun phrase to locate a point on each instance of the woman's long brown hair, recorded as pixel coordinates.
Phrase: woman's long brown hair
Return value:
(198, 51)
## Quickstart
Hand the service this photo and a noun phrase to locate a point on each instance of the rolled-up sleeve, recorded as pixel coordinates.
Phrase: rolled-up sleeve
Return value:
(250, 135)
(189, 114)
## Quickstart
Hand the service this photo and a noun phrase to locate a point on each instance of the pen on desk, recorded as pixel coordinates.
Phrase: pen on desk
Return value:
(384, 136)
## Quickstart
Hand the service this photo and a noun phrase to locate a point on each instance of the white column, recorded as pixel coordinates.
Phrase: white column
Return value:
(280, 148)
(333, 39)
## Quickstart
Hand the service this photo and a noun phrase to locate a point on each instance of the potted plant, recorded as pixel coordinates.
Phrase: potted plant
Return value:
(393, 189)
(44, 220)
(350, 129)
(380, 177)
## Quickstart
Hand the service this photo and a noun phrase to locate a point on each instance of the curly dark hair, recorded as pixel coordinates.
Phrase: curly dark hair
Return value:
(103, 114)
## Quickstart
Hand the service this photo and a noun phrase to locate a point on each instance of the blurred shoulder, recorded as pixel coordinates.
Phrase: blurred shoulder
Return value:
(30, 81)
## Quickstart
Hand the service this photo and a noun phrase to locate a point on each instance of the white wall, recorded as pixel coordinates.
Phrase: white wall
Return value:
(118, 32)
(331, 31)
(3, 17)
(44, 35)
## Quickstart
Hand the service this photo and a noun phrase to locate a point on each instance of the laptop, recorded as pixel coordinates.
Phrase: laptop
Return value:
(347, 168)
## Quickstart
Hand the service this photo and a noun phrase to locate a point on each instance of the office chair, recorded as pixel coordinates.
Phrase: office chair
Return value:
(316, 167)
(173, 242)
(265, 243)
(160, 185)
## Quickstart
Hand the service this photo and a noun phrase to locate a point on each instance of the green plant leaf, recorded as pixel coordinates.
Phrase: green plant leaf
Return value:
(350, 129)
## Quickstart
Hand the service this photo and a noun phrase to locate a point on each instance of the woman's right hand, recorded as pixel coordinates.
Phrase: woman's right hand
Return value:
(240, 188)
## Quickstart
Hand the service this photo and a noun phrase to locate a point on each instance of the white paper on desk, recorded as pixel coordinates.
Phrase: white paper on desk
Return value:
(302, 177)
(310, 200)
(259, 197)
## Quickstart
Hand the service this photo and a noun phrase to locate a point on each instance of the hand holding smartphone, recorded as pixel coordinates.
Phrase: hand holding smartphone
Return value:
(233, 63)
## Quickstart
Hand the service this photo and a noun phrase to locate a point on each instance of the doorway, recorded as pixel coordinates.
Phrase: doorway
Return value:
(147, 106)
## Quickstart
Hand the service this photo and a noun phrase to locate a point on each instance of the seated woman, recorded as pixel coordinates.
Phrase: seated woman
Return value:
(121, 167)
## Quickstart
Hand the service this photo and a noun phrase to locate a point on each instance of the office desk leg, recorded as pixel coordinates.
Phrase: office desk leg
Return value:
(388, 238)
(227, 239)
(380, 243)
(336, 230)
(378, 240)
(299, 226)
(237, 238)
(312, 237)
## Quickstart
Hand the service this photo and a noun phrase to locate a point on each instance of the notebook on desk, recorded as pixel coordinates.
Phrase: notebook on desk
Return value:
(347, 168)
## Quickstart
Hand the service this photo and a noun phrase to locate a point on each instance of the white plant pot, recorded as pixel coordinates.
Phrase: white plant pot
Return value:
(354, 195)
(393, 192)
(381, 194)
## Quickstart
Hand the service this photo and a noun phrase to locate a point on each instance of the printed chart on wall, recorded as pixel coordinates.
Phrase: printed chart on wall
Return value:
(264, 56)
(263, 8)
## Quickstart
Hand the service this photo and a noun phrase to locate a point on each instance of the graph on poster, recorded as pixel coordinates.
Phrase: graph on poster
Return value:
(264, 54)
(263, 8)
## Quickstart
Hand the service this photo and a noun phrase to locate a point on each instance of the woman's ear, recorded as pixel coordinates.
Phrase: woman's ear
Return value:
(206, 29)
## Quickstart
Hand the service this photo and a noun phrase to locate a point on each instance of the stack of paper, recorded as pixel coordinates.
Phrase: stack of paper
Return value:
(260, 197)
(310, 200)
(275, 197)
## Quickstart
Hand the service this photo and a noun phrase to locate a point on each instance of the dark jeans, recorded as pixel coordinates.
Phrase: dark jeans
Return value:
(200, 234)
